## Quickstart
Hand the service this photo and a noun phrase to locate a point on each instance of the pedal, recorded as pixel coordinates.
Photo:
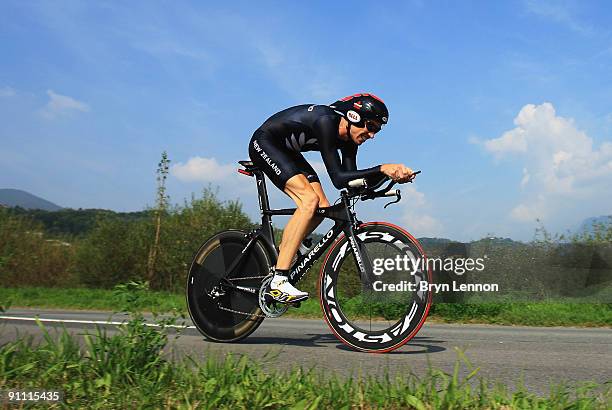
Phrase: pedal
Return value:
(266, 303)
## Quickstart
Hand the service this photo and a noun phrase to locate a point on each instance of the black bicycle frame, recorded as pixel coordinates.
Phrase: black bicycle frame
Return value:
(344, 221)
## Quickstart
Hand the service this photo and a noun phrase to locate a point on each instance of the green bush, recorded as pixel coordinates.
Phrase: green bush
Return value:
(114, 252)
(28, 257)
(185, 228)
(117, 250)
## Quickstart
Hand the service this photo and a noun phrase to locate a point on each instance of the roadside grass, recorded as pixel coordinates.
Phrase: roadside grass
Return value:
(527, 314)
(507, 313)
(130, 370)
(88, 299)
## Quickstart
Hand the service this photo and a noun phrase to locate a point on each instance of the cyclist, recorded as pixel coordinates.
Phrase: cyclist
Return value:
(276, 148)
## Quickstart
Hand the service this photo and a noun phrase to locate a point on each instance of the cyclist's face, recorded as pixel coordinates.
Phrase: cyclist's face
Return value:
(361, 134)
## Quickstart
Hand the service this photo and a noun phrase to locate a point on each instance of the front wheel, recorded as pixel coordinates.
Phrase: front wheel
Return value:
(221, 313)
(385, 311)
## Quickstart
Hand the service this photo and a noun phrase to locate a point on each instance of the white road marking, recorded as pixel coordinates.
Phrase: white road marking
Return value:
(90, 322)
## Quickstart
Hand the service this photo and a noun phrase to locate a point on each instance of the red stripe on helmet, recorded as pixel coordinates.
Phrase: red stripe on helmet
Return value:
(350, 97)
(373, 96)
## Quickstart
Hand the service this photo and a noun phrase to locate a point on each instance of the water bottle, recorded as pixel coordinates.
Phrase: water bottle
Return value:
(305, 246)
(302, 250)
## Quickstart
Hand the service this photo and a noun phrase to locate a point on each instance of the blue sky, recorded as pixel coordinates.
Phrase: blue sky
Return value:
(506, 107)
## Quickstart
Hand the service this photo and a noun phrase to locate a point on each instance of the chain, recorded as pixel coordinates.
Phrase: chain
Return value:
(247, 277)
(238, 311)
(241, 313)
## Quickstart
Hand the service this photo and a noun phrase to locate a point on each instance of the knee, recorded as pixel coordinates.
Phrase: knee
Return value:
(309, 203)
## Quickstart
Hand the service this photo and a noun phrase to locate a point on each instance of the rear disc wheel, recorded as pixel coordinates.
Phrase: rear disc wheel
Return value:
(220, 313)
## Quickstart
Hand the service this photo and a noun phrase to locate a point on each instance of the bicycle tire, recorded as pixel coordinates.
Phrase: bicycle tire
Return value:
(334, 280)
(209, 264)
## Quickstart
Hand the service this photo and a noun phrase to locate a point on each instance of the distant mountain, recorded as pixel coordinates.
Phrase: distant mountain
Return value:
(497, 240)
(589, 224)
(449, 242)
(76, 222)
(433, 241)
(23, 199)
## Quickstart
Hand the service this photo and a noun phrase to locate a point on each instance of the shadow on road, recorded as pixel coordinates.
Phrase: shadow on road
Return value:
(408, 348)
(323, 340)
(310, 340)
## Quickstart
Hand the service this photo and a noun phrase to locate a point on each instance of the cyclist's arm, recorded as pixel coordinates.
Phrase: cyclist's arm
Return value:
(327, 130)
(349, 163)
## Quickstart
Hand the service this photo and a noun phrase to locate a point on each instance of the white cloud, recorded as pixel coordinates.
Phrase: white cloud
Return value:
(62, 104)
(415, 215)
(6, 92)
(230, 184)
(203, 170)
(526, 177)
(511, 141)
(559, 161)
(529, 212)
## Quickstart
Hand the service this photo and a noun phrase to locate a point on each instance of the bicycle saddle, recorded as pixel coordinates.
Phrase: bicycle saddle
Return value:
(248, 166)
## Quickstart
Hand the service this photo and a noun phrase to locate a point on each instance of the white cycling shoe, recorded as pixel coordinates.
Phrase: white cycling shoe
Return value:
(280, 290)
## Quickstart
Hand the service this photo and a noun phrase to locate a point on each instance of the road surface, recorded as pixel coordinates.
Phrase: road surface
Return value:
(505, 354)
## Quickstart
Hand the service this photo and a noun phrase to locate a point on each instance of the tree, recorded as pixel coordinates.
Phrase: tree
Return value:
(161, 208)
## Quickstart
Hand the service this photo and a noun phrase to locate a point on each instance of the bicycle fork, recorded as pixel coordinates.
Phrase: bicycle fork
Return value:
(360, 255)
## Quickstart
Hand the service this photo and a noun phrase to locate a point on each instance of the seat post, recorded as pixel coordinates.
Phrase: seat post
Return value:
(264, 205)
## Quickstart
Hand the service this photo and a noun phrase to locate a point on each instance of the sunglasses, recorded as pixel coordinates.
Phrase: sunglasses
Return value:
(372, 126)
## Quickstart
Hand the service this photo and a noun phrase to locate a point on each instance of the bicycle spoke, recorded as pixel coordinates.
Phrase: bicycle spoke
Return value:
(388, 305)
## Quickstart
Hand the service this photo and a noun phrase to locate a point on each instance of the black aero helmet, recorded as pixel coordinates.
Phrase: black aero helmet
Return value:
(359, 107)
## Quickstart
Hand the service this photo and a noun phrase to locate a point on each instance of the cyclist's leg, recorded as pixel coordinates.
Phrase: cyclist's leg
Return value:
(307, 201)
(315, 183)
(316, 220)
(291, 173)
(313, 179)
(323, 201)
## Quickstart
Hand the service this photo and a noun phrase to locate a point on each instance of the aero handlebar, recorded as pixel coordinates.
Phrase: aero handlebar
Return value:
(360, 188)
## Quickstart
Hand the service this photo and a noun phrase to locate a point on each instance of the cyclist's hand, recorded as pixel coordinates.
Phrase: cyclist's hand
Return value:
(397, 172)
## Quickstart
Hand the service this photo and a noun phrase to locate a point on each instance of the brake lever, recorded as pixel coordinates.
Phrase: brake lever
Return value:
(398, 197)
(391, 183)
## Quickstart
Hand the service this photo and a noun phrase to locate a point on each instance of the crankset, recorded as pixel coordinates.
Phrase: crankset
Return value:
(270, 308)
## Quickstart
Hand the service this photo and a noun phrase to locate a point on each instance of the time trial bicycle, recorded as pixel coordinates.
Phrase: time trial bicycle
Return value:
(370, 300)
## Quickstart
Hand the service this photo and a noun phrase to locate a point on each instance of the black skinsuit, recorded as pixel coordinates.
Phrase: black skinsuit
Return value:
(276, 147)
